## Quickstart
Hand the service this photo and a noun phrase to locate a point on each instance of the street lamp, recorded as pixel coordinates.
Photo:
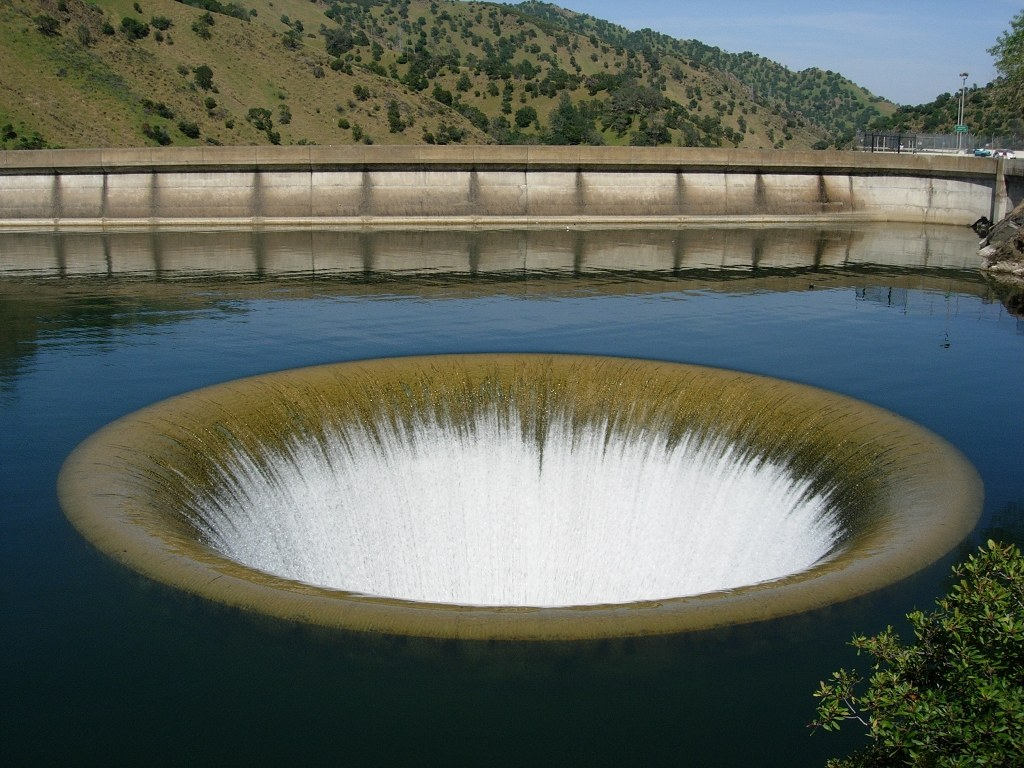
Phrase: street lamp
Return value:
(961, 129)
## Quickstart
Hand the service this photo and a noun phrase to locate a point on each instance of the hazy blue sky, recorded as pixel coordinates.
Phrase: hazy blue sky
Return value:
(908, 51)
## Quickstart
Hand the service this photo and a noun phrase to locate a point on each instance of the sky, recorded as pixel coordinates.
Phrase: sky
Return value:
(908, 51)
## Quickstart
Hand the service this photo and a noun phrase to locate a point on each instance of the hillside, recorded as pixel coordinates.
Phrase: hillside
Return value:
(186, 72)
(989, 111)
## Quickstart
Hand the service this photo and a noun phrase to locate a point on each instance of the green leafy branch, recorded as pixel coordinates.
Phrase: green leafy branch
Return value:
(954, 697)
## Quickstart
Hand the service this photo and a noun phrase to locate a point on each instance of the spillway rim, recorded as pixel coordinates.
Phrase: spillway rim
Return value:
(946, 508)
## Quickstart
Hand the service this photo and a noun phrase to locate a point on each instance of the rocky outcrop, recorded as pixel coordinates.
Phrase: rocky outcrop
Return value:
(1002, 250)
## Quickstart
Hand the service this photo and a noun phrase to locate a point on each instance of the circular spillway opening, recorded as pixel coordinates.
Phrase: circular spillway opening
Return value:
(520, 496)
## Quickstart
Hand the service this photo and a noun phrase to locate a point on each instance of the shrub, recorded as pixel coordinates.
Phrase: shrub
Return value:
(189, 128)
(260, 118)
(157, 107)
(84, 35)
(443, 95)
(157, 133)
(204, 77)
(955, 697)
(201, 26)
(395, 122)
(47, 25)
(161, 22)
(133, 28)
(32, 141)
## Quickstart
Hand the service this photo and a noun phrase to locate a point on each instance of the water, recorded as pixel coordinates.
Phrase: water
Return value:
(101, 667)
(500, 506)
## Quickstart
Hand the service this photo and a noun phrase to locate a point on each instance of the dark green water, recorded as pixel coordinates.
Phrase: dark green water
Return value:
(100, 667)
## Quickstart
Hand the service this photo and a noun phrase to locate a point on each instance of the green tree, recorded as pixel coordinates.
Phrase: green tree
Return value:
(955, 697)
(338, 40)
(525, 116)
(204, 77)
(261, 118)
(1009, 57)
(443, 95)
(133, 28)
(395, 122)
(571, 124)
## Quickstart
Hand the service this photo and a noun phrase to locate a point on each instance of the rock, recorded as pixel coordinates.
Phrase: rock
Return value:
(982, 226)
(1002, 250)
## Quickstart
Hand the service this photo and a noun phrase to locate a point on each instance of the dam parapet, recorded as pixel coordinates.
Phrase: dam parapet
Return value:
(425, 186)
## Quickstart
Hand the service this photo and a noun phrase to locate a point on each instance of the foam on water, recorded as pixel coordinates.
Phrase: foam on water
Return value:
(483, 514)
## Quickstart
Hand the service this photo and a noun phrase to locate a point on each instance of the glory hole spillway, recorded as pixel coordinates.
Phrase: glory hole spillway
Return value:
(513, 497)
(519, 496)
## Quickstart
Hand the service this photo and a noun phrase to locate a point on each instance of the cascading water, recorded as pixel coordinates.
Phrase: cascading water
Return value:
(479, 514)
(526, 496)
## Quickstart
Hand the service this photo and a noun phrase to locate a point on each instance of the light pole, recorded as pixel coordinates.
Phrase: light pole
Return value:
(961, 129)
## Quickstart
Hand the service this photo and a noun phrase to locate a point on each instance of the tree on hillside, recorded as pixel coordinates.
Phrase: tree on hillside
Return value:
(133, 28)
(204, 76)
(525, 116)
(955, 697)
(572, 124)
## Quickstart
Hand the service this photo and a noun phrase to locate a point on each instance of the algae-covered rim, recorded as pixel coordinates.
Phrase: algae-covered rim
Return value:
(924, 498)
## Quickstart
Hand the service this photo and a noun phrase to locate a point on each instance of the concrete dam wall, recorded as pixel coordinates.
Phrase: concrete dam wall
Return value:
(492, 185)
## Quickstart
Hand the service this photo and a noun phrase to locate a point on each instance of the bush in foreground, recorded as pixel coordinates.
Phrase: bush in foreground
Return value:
(954, 697)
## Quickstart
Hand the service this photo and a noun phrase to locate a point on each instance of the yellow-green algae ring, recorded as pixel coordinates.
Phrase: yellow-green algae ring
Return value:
(904, 496)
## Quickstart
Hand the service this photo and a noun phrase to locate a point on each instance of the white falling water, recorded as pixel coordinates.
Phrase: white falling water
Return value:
(477, 516)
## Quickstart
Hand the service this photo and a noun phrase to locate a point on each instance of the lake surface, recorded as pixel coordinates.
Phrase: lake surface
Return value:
(102, 667)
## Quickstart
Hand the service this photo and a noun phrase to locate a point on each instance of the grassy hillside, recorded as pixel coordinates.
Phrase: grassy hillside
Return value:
(825, 99)
(123, 73)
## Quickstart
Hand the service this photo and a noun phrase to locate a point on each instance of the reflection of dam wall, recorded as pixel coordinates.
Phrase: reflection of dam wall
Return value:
(472, 251)
(242, 186)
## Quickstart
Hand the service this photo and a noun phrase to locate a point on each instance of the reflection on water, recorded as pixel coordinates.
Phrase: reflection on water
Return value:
(107, 668)
(484, 252)
(119, 278)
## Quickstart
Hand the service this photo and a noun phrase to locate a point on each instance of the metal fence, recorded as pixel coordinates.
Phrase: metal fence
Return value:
(946, 143)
